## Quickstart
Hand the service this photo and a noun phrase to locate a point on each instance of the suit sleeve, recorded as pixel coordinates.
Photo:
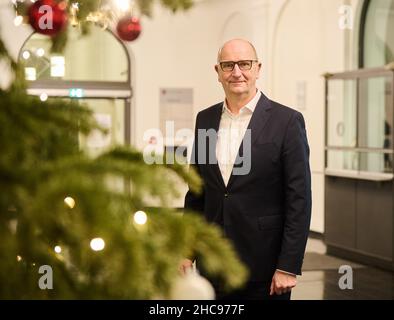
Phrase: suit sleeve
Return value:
(298, 195)
(193, 201)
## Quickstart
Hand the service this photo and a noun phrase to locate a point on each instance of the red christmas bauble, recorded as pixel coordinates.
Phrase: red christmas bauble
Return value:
(48, 17)
(128, 28)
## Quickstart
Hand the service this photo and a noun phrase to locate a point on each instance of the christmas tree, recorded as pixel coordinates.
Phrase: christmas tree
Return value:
(61, 212)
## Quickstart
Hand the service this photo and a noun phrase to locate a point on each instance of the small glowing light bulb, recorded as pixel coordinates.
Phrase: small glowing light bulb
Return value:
(26, 54)
(18, 258)
(58, 249)
(43, 97)
(40, 52)
(70, 202)
(140, 217)
(123, 5)
(18, 21)
(97, 244)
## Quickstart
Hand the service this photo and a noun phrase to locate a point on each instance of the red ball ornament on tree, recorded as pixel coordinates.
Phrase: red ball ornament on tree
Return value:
(128, 28)
(48, 17)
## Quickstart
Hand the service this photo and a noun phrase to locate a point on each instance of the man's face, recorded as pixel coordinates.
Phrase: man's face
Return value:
(238, 82)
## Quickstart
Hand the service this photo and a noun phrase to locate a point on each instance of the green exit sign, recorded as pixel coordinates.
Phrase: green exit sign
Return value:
(76, 93)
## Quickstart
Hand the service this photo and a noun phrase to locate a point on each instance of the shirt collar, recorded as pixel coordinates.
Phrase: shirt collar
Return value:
(250, 106)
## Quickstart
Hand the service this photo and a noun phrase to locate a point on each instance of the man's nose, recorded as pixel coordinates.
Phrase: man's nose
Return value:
(236, 71)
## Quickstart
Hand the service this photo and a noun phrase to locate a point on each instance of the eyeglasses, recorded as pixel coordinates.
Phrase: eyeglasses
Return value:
(244, 65)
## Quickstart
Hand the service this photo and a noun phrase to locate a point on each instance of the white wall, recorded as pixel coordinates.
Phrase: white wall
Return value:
(304, 34)
(180, 51)
(306, 42)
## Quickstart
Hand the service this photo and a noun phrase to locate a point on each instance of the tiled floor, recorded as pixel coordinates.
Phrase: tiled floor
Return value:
(368, 283)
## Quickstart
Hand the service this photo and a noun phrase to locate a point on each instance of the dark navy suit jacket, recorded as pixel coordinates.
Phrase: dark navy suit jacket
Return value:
(265, 213)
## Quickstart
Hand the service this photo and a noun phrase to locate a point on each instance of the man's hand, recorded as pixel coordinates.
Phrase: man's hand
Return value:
(282, 282)
(185, 265)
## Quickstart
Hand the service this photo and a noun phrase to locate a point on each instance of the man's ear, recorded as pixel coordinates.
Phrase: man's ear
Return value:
(259, 70)
(217, 71)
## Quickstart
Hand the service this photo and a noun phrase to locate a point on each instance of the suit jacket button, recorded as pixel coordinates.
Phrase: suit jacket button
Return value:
(226, 195)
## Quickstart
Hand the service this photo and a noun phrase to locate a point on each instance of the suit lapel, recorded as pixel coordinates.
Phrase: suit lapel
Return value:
(215, 125)
(256, 125)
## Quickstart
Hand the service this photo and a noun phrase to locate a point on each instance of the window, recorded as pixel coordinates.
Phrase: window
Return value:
(359, 122)
(93, 69)
(98, 56)
(377, 41)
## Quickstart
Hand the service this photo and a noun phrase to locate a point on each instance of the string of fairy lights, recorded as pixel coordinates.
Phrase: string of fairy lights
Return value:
(139, 218)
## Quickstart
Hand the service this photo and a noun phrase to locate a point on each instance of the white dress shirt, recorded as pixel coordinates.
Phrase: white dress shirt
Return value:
(232, 129)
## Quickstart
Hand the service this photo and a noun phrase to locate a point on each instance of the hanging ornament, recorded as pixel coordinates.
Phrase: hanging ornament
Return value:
(192, 286)
(129, 28)
(48, 17)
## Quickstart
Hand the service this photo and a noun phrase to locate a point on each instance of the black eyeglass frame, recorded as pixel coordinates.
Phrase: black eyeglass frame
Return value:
(237, 63)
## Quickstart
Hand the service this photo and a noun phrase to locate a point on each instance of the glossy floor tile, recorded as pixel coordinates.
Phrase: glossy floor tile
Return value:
(367, 283)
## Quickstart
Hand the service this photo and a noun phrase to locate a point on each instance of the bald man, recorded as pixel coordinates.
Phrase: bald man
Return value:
(253, 157)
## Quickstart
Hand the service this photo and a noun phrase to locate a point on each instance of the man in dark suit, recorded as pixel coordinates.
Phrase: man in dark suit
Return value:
(256, 176)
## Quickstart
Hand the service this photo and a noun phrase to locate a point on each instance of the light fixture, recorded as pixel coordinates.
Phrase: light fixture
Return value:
(140, 217)
(123, 5)
(18, 21)
(43, 96)
(30, 73)
(26, 54)
(57, 66)
(40, 52)
(70, 202)
(97, 244)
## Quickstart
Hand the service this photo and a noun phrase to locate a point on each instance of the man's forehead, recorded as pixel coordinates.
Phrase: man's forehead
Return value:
(237, 47)
(237, 43)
